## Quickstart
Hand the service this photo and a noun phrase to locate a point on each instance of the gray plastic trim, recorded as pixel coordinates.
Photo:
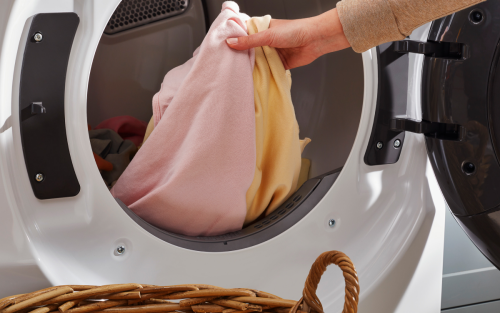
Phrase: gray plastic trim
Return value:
(487, 307)
(287, 215)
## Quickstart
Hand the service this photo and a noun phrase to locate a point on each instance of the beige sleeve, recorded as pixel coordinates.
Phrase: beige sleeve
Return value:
(369, 23)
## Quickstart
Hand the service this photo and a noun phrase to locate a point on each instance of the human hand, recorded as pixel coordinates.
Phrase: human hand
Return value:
(298, 42)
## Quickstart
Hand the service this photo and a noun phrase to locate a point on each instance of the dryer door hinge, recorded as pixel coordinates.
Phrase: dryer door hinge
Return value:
(441, 131)
(447, 50)
(388, 132)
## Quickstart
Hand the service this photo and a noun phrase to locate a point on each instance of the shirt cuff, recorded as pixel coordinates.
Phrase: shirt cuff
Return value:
(368, 23)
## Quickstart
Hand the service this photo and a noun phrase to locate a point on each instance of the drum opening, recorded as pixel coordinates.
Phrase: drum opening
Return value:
(129, 67)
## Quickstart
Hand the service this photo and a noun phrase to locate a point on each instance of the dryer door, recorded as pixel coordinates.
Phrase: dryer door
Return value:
(461, 109)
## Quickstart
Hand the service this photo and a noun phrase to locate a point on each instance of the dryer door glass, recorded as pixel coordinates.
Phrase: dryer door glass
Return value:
(465, 91)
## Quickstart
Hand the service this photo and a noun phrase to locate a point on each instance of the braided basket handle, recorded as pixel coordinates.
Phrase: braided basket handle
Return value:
(310, 301)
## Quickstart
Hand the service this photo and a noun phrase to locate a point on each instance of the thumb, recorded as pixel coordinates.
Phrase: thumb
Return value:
(251, 41)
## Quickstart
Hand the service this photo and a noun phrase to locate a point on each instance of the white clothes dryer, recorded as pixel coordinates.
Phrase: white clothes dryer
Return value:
(393, 130)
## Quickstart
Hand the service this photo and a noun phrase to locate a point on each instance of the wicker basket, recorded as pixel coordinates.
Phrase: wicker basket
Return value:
(136, 298)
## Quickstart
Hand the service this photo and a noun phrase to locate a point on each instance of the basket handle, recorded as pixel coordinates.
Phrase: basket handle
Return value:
(310, 301)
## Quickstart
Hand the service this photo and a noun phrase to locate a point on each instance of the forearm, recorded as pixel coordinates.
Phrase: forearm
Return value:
(328, 32)
(368, 23)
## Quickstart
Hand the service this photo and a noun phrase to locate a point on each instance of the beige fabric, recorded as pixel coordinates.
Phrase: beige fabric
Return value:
(304, 143)
(304, 172)
(149, 129)
(369, 23)
(276, 131)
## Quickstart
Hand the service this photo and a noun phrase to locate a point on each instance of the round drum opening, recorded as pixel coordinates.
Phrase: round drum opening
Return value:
(129, 67)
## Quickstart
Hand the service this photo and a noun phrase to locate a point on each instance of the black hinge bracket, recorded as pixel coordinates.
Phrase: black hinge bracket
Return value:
(441, 131)
(448, 50)
(385, 145)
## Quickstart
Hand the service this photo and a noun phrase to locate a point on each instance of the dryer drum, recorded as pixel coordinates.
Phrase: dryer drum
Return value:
(129, 67)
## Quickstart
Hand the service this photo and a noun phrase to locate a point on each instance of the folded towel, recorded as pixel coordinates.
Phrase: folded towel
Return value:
(192, 174)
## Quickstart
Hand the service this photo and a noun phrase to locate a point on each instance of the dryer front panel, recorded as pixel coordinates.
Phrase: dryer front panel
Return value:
(386, 218)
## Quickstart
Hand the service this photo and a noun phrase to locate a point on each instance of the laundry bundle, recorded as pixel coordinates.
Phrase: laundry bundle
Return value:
(114, 143)
(128, 127)
(225, 147)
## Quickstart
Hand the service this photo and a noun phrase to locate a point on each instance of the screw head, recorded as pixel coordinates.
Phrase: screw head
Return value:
(39, 177)
(468, 168)
(331, 223)
(38, 37)
(380, 145)
(397, 143)
(120, 250)
(476, 16)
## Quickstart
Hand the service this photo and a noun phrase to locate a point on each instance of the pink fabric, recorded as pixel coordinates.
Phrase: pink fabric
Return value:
(128, 127)
(192, 174)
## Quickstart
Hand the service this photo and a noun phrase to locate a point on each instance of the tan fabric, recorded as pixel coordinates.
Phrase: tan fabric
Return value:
(277, 131)
(304, 143)
(304, 172)
(149, 129)
(369, 23)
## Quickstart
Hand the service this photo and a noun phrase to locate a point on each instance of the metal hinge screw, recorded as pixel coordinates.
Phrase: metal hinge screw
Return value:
(380, 145)
(397, 143)
(331, 223)
(39, 177)
(120, 250)
(38, 37)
